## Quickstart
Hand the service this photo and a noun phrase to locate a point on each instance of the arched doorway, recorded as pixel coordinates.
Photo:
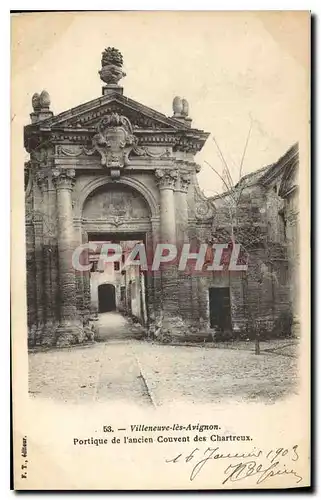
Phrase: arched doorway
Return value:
(119, 213)
(106, 298)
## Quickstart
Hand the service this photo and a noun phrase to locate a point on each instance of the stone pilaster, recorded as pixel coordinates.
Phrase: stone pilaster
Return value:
(53, 249)
(86, 278)
(181, 206)
(151, 280)
(157, 278)
(39, 267)
(79, 275)
(31, 283)
(49, 296)
(195, 309)
(70, 327)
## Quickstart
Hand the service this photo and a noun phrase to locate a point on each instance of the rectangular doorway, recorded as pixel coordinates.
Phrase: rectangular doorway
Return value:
(220, 308)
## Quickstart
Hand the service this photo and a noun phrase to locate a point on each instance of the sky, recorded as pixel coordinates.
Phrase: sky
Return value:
(234, 68)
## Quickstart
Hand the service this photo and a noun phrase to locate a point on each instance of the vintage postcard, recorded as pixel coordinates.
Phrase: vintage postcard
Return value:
(160, 250)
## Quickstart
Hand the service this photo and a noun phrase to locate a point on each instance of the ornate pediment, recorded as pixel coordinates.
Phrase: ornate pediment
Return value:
(135, 127)
(89, 115)
(151, 128)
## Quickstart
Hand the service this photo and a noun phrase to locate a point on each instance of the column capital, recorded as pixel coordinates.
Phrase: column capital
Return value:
(184, 181)
(166, 178)
(64, 178)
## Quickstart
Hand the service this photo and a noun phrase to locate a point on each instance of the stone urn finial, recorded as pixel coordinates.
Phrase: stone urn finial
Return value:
(185, 107)
(177, 106)
(41, 107)
(111, 66)
(35, 101)
(44, 100)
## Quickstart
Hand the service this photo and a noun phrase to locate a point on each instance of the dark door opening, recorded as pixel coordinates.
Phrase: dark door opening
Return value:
(106, 298)
(220, 309)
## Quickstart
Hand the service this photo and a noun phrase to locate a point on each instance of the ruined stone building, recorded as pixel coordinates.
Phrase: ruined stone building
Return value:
(114, 170)
(264, 219)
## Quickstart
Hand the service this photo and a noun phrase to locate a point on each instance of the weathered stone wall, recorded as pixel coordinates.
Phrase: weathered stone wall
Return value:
(42, 267)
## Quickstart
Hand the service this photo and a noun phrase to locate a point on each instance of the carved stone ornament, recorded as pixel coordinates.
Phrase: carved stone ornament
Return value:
(149, 152)
(184, 182)
(73, 150)
(41, 178)
(111, 66)
(63, 178)
(114, 141)
(203, 210)
(166, 178)
(117, 221)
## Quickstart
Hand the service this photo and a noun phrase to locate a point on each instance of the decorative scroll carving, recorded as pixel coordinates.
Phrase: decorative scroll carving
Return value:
(166, 178)
(73, 151)
(203, 210)
(114, 141)
(146, 151)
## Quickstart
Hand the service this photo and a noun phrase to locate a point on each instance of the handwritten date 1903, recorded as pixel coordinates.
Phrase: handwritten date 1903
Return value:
(256, 463)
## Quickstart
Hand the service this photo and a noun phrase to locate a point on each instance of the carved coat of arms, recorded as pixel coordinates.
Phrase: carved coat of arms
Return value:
(114, 141)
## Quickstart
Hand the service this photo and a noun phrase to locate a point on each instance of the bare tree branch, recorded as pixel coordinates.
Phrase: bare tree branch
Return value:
(242, 160)
(245, 148)
(224, 163)
(219, 175)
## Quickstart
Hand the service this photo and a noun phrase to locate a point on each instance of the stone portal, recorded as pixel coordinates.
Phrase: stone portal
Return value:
(114, 170)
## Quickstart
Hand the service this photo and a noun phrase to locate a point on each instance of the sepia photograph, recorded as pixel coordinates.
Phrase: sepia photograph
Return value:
(165, 159)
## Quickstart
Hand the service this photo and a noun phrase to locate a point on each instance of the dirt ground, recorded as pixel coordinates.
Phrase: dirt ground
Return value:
(147, 373)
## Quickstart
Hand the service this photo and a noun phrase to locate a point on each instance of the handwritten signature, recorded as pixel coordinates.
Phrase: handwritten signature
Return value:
(262, 465)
